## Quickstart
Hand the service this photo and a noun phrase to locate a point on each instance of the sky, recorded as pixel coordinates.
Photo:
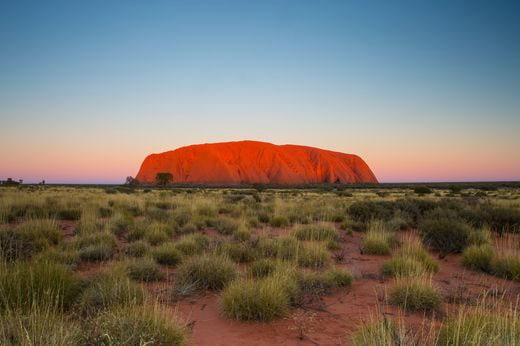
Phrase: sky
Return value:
(421, 90)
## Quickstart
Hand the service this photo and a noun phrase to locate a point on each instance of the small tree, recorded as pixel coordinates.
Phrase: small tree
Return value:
(163, 178)
(131, 181)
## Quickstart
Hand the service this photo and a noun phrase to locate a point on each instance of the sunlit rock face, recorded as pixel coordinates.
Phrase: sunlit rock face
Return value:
(250, 162)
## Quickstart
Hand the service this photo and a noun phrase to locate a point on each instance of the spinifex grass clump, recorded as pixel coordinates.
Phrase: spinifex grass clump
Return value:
(144, 270)
(411, 260)
(137, 249)
(41, 325)
(210, 272)
(135, 326)
(507, 265)
(98, 246)
(167, 254)
(285, 248)
(260, 299)
(415, 294)
(237, 252)
(28, 239)
(383, 332)
(25, 285)
(482, 325)
(377, 240)
(322, 282)
(110, 289)
(192, 244)
(478, 257)
(314, 255)
(316, 232)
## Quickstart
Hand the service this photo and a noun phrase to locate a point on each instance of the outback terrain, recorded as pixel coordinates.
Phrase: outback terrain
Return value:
(331, 265)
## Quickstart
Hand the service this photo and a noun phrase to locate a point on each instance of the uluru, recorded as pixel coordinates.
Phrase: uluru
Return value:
(251, 162)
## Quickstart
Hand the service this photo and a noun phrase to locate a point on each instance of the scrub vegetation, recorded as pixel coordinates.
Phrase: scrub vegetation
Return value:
(128, 265)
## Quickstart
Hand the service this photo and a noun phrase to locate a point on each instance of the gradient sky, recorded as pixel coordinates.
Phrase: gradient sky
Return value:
(422, 90)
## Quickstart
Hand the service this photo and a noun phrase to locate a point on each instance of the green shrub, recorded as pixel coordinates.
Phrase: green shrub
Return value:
(383, 332)
(144, 270)
(156, 237)
(316, 232)
(422, 190)
(478, 257)
(506, 265)
(108, 290)
(96, 253)
(285, 248)
(313, 256)
(278, 221)
(205, 272)
(415, 294)
(40, 326)
(65, 256)
(71, 214)
(237, 252)
(24, 286)
(321, 282)
(480, 236)
(29, 238)
(137, 249)
(480, 326)
(259, 300)
(242, 234)
(262, 268)
(135, 326)
(167, 254)
(192, 244)
(445, 235)
(376, 242)
(226, 225)
(136, 231)
(402, 266)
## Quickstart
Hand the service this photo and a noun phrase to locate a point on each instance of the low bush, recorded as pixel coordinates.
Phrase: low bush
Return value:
(278, 221)
(27, 285)
(137, 249)
(39, 326)
(167, 254)
(480, 326)
(96, 253)
(237, 252)
(242, 234)
(321, 282)
(313, 256)
(259, 300)
(108, 290)
(506, 265)
(415, 294)
(316, 232)
(445, 235)
(378, 242)
(226, 225)
(383, 332)
(205, 272)
(192, 244)
(135, 326)
(71, 214)
(262, 268)
(156, 237)
(478, 257)
(28, 239)
(144, 270)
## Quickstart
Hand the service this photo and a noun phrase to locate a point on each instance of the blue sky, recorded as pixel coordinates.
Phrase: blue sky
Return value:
(422, 91)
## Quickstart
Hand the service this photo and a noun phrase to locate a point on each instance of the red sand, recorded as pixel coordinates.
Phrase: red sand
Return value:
(255, 162)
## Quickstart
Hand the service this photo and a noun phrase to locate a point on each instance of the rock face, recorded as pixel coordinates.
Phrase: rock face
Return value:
(248, 162)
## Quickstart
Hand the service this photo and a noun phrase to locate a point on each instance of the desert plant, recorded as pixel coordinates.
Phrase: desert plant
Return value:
(226, 225)
(316, 232)
(192, 244)
(144, 270)
(415, 294)
(261, 300)
(110, 289)
(478, 257)
(445, 235)
(26, 285)
(167, 254)
(40, 326)
(135, 326)
(237, 252)
(506, 265)
(313, 256)
(383, 332)
(378, 241)
(210, 272)
(137, 249)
